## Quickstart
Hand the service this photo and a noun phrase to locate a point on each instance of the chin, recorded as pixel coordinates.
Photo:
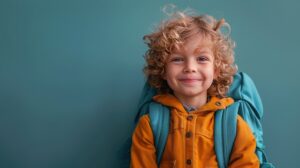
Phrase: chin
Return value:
(191, 94)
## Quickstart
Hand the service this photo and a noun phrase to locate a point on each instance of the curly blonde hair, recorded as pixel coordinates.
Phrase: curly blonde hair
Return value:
(174, 32)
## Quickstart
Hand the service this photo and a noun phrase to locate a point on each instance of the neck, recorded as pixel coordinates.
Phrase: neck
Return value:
(197, 101)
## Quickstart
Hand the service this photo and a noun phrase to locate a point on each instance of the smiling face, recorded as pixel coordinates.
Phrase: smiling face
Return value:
(190, 70)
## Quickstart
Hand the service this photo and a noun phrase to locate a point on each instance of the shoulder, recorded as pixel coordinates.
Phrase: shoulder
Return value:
(243, 129)
(145, 119)
(143, 126)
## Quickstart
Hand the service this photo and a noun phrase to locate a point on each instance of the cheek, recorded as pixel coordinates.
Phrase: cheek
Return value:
(170, 71)
(168, 76)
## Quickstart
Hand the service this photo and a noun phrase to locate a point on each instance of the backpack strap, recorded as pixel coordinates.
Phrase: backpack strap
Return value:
(159, 121)
(224, 133)
(159, 118)
(145, 100)
(249, 106)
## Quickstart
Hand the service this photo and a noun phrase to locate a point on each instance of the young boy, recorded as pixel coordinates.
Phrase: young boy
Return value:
(191, 64)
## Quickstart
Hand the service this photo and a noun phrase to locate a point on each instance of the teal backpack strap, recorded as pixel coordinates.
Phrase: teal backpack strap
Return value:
(159, 121)
(159, 118)
(249, 106)
(145, 100)
(224, 133)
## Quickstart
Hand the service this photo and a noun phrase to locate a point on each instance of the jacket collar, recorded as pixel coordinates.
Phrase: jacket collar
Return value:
(213, 104)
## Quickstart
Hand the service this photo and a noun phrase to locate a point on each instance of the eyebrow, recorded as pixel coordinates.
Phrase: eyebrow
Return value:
(201, 50)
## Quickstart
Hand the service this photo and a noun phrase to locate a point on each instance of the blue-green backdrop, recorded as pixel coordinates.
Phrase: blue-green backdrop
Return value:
(71, 74)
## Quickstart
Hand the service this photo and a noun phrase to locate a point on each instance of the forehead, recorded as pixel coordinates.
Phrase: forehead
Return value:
(195, 44)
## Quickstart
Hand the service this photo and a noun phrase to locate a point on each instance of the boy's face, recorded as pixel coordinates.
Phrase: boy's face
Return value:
(190, 70)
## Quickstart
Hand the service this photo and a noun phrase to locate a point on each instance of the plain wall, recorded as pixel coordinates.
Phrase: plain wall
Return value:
(71, 75)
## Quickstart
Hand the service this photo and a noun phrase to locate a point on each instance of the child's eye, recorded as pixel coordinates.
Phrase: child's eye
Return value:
(202, 58)
(177, 59)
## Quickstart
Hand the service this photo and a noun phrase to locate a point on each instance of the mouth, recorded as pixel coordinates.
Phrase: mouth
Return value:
(189, 80)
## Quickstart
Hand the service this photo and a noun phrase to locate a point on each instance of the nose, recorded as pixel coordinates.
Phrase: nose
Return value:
(190, 66)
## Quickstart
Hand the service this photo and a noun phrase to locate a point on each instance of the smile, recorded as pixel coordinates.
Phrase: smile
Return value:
(189, 80)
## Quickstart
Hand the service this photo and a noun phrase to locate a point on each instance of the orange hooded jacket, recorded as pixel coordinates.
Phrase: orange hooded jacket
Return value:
(190, 142)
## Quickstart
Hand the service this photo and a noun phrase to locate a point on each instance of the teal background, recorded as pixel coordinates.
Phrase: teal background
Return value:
(71, 74)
